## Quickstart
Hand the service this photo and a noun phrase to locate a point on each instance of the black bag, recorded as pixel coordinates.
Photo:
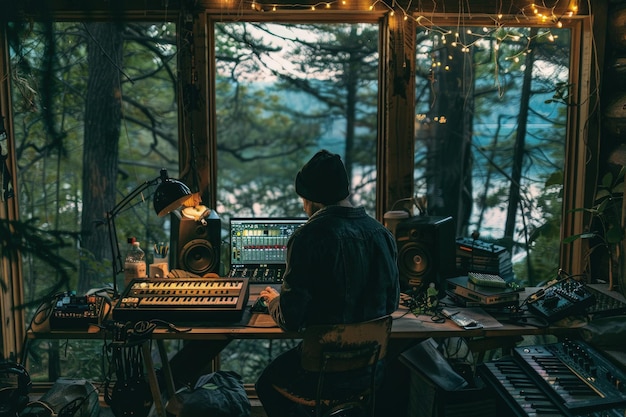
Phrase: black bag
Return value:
(15, 385)
(67, 397)
(218, 394)
(427, 359)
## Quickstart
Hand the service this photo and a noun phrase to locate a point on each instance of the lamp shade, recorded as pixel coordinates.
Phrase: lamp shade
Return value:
(169, 195)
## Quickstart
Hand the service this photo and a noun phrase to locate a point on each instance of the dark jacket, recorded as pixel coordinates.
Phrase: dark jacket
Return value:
(341, 268)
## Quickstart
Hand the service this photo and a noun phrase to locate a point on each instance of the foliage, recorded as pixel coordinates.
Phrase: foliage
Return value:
(306, 77)
(49, 79)
(605, 232)
(607, 210)
(76, 359)
(562, 94)
(282, 92)
(30, 241)
(249, 357)
(543, 240)
(496, 74)
(49, 171)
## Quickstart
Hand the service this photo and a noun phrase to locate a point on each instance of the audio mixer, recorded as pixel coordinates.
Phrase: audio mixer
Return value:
(563, 298)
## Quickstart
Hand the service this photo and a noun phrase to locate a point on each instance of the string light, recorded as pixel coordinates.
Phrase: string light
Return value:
(533, 11)
(528, 15)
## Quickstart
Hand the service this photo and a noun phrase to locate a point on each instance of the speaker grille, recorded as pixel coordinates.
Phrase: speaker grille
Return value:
(414, 263)
(198, 257)
(196, 244)
(426, 251)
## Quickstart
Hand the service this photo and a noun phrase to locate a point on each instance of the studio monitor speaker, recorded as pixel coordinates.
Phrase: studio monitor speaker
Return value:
(195, 242)
(426, 252)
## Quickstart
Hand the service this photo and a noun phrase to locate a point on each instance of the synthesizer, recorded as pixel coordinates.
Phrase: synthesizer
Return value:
(568, 378)
(183, 300)
(604, 305)
(76, 312)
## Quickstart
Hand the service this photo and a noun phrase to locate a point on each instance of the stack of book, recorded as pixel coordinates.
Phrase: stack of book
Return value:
(473, 255)
(477, 289)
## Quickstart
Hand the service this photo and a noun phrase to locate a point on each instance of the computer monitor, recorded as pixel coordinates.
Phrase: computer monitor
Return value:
(258, 246)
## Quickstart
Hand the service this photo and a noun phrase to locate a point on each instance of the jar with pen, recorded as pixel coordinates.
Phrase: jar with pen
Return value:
(159, 267)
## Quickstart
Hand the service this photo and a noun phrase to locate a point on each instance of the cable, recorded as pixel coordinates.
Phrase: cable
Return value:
(170, 326)
(70, 409)
(41, 403)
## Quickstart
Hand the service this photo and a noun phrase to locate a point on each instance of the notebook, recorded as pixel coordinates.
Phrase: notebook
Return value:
(258, 247)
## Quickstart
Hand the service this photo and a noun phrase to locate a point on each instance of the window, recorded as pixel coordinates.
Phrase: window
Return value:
(284, 91)
(92, 103)
(277, 92)
(491, 124)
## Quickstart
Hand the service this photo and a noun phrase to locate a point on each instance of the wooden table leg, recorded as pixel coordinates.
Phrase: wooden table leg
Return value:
(152, 379)
(167, 370)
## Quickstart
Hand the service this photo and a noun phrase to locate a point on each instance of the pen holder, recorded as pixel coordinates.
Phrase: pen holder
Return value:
(159, 267)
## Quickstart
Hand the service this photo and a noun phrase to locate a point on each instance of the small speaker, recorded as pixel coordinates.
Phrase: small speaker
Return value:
(426, 252)
(195, 242)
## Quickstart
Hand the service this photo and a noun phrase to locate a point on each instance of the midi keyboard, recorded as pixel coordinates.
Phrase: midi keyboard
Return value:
(183, 300)
(564, 379)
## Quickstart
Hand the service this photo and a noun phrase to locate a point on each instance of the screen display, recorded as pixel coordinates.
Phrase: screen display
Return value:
(257, 241)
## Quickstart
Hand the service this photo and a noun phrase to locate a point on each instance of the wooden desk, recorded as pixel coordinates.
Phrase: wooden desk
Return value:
(261, 326)
(407, 329)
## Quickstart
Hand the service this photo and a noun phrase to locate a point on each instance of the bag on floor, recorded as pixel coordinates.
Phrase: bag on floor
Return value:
(67, 397)
(218, 394)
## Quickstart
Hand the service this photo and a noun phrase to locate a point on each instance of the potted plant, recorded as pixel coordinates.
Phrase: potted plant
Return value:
(605, 233)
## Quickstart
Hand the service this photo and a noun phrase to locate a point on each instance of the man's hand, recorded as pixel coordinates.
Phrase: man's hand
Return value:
(269, 294)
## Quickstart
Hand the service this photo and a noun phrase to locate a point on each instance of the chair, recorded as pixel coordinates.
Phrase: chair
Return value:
(338, 353)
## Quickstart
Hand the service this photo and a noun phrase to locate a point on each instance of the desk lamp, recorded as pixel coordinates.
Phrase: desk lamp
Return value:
(169, 195)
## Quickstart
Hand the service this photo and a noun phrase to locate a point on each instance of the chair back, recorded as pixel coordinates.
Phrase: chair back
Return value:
(345, 347)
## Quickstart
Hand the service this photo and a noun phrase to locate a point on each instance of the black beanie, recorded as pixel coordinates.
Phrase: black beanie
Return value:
(323, 179)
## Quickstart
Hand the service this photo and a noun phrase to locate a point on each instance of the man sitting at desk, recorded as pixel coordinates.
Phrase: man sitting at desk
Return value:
(341, 268)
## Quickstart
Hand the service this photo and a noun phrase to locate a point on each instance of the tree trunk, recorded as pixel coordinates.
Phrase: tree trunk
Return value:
(518, 150)
(103, 114)
(449, 161)
(352, 77)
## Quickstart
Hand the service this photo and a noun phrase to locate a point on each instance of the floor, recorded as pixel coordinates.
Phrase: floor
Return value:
(105, 410)
(257, 410)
